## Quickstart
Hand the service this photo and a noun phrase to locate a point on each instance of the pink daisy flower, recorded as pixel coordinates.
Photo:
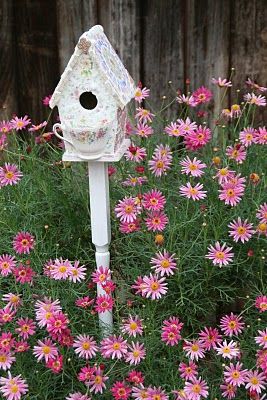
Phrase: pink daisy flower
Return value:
(6, 315)
(86, 374)
(254, 85)
(261, 340)
(261, 303)
(247, 136)
(194, 349)
(61, 269)
(35, 128)
(220, 254)
(120, 391)
(228, 390)
(174, 129)
(134, 181)
(7, 264)
(77, 272)
(55, 365)
(103, 303)
(235, 375)
(46, 100)
(143, 130)
(21, 346)
(171, 334)
(114, 347)
(237, 153)
(188, 371)
(101, 275)
(57, 323)
(187, 126)
(141, 94)
(132, 326)
(136, 353)
(12, 388)
(198, 138)
(261, 213)
(156, 221)
(6, 360)
(144, 115)
(46, 349)
(13, 300)
(84, 302)
(5, 126)
(135, 153)
(9, 175)
(235, 111)
(241, 230)
(192, 167)
(221, 82)
(135, 377)
(97, 382)
(129, 227)
(256, 381)
(252, 98)
(45, 309)
(127, 209)
(20, 123)
(154, 287)
(228, 350)
(77, 396)
(156, 393)
(164, 263)
(23, 242)
(210, 337)
(159, 165)
(23, 274)
(153, 200)
(232, 325)
(202, 95)
(189, 100)
(139, 285)
(231, 194)
(6, 341)
(224, 174)
(26, 328)
(193, 192)
(261, 136)
(196, 388)
(85, 346)
(140, 392)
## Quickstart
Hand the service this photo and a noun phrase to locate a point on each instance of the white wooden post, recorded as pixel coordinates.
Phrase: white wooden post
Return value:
(100, 225)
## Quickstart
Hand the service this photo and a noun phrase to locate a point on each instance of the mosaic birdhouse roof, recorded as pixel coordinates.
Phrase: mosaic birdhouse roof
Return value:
(96, 45)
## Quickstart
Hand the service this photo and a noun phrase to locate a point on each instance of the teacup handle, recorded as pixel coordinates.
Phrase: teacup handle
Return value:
(83, 157)
(58, 126)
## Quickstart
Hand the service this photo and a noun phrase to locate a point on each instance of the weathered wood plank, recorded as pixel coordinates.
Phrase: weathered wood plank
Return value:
(208, 44)
(74, 18)
(8, 102)
(249, 42)
(37, 58)
(121, 22)
(163, 42)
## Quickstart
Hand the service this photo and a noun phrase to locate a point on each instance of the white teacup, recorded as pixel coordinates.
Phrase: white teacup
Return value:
(88, 145)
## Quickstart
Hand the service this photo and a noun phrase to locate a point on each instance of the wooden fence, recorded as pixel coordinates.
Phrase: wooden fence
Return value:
(158, 41)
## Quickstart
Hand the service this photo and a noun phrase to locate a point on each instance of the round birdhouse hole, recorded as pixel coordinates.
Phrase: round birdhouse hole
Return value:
(88, 100)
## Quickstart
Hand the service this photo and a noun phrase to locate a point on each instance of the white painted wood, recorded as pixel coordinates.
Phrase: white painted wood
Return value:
(100, 225)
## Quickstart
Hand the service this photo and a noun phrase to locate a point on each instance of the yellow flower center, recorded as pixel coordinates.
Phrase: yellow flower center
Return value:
(154, 286)
(262, 227)
(116, 346)
(14, 389)
(24, 242)
(86, 345)
(220, 255)
(153, 201)
(46, 350)
(159, 164)
(25, 328)
(133, 326)
(200, 136)
(62, 269)
(249, 136)
(20, 124)
(165, 263)
(196, 388)
(3, 358)
(223, 171)
(98, 379)
(230, 192)
(192, 167)
(254, 380)
(236, 374)
(128, 209)
(48, 315)
(226, 350)
(241, 230)
(9, 175)
(193, 191)
(5, 265)
(232, 324)
(195, 347)
(235, 107)
(136, 353)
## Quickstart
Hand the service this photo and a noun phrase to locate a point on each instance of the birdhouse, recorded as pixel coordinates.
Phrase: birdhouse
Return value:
(91, 97)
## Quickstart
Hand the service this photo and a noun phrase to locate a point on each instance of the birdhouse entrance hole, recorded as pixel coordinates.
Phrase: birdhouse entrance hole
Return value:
(88, 100)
